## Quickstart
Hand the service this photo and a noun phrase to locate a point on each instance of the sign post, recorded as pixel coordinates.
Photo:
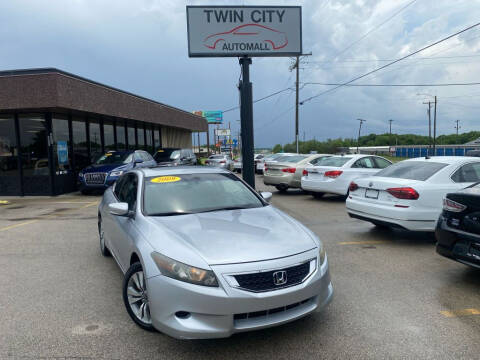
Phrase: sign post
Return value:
(244, 32)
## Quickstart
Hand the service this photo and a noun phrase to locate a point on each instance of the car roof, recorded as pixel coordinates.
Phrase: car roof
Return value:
(176, 170)
(446, 159)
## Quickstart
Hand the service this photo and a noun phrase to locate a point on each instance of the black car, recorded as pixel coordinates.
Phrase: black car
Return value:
(458, 229)
(175, 156)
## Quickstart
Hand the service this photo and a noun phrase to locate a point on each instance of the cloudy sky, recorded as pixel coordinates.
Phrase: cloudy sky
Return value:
(141, 46)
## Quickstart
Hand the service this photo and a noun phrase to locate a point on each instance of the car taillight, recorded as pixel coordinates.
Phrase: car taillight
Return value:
(305, 172)
(333, 174)
(453, 206)
(353, 186)
(289, 170)
(222, 162)
(406, 193)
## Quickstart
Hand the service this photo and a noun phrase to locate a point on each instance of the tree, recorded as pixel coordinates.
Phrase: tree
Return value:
(277, 148)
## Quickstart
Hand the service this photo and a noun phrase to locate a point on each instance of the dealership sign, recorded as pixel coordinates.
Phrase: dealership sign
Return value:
(244, 31)
(212, 117)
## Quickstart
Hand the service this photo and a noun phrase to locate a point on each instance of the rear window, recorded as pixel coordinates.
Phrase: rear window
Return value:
(333, 161)
(291, 158)
(412, 170)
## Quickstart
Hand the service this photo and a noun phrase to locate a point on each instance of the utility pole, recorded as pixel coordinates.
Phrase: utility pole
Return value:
(429, 103)
(390, 136)
(435, 126)
(359, 129)
(296, 66)
(457, 126)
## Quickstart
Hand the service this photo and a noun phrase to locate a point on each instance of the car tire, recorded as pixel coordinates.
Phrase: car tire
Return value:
(317, 195)
(86, 191)
(135, 297)
(282, 188)
(101, 235)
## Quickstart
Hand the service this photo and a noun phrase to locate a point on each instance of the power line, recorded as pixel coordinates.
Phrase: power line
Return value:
(374, 29)
(391, 85)
(387, 60)
(391, 63)
(261, 99)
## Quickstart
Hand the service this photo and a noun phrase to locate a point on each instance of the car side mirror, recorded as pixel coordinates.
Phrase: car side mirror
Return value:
(118, 209)
(266, 195)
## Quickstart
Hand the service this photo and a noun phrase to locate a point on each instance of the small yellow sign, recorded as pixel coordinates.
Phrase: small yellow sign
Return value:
(108, 154)
(165, 179)
(161, 150)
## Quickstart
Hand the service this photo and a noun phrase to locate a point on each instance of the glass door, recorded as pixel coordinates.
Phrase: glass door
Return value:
(64, 172)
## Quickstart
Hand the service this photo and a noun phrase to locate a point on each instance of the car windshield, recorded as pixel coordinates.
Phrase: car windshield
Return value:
(194, 193)
(412, 170)
(114, 158)
(333, 161)
(166, 155)
(291, 158)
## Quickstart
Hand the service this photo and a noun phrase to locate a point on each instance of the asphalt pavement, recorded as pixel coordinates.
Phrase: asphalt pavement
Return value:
(394, 296)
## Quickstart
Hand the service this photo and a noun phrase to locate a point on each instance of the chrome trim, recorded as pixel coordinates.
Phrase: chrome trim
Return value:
(96, 178)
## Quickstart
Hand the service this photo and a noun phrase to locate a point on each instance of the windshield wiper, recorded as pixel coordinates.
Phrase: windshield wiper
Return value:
(228, 208)
(172, 213)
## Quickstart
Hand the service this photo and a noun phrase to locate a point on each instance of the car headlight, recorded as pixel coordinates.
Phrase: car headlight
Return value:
(80, 175)
(183, 272)
(322, 254)
(116, 173)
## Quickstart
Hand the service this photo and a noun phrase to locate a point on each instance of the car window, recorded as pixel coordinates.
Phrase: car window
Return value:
(382, 163)
(145, 156)
(118, 187)
(137, 156)
(292, 158)
(413, 170)
(193, 193)
(364, 163)
(467, 173)
(334, 161)
(128, 191)
(113, 157)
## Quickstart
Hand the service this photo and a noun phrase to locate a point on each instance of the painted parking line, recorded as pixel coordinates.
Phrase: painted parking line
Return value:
(363, 242)
(47, 216)
(460, 312)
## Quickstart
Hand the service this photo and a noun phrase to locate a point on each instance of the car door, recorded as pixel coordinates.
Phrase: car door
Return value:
(110, 222)
(124, 225)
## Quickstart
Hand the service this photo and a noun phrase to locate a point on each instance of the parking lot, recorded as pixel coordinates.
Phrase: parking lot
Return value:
(394, 296)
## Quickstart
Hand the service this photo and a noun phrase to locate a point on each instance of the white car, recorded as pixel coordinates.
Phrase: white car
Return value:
(409, 194)
(237, 165)
(333, 175)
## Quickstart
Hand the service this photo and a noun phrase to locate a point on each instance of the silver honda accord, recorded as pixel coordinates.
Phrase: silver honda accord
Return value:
(205, 256)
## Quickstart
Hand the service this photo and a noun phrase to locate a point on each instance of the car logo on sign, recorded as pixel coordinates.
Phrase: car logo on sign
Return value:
(279, 278)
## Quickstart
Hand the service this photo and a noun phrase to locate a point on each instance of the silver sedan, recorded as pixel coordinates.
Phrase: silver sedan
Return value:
(206, 256)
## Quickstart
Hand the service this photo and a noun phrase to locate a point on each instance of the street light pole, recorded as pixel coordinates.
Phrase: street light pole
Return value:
(435, 126)
(390, 136)
(359, 129)
(457, 126)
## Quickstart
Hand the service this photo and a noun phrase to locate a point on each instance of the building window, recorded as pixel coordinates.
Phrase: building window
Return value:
(80, 146)
(157, 139)
(95, 139)
(141, 136)
(120, 130)
(108, 136)
(9, 184)
(149, 140)
(61, 144)
(34, 154)
(131, 137)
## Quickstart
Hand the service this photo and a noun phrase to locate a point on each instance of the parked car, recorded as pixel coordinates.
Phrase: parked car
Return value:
(458, 228)
(201, 263)
(334, 174)
(409, 193)
(286, 172)
(222, 161)
(257, 158)
(237, 165)
(106, 170)
(269, 158)
(175, 157)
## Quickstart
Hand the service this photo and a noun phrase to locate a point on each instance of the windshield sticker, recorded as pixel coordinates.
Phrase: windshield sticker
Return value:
(161, 151)
(165, 179)
(108, 154)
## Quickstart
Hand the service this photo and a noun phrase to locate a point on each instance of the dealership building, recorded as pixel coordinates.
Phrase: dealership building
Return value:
(53, 124)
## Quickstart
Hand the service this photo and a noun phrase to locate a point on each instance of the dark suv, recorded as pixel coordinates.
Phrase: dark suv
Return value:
(175, 156)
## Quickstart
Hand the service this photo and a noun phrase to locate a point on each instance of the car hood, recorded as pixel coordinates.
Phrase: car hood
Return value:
(233, 236)
(104, 168)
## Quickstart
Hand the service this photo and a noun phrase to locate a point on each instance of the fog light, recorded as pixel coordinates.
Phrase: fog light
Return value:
(182, 314)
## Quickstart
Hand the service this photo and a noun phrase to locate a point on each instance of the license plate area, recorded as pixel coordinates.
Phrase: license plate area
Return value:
(371, 194)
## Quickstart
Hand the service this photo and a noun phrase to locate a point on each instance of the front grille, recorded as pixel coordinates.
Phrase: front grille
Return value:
(264, 281)
(95, 178)
(264, 313)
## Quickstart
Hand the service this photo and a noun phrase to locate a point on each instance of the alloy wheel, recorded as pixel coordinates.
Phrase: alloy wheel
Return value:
(138, 298)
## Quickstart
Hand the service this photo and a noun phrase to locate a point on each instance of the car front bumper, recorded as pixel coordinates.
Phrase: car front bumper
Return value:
(83, 186)
(212, 310)
(406, 218)
(457, 245)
